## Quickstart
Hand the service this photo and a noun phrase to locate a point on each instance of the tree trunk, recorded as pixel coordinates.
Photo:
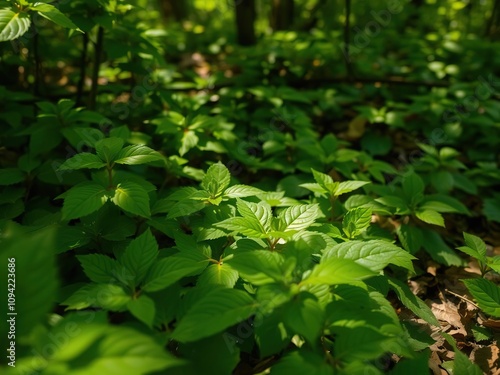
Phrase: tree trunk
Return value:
(245, 21)
(282, 14)
(176, 9)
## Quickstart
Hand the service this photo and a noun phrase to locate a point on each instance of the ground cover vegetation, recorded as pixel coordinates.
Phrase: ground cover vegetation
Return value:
(250, 187)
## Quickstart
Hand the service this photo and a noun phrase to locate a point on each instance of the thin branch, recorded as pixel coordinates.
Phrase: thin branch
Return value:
(83, 65)
(97, 65)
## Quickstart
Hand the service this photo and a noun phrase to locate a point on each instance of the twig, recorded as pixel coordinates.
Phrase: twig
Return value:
(461, 297)
(97, 65)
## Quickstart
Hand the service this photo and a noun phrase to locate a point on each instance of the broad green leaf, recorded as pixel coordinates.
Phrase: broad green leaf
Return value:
(298, 217)
(356, 221)
(486, 293)
(137, 154)
(491, 209)
(241, 191)
(11, 176)
(201, 354)
(108, 148)
(302, 362)
(82, 160)
(13, 25)
(253, 211)
(83, 199)
(139, 257)
(413, 187)
(475, 247)
(444, 203)
(410, 237)
(110, 350)
(107, 296)
(189, 140)
(217, 310)
(219, 274)
(333, 271)
(185, 208)
(358, 343)
(395, 202)
(271, 335)
(259, 267)
(132, 198)
(247, 227)
(30, 256)
(98, 267)
(439, 250)
(348, 186)
(53, 14)
(324, 181)
(374, 255)
(168, 270)
(143, 308)
(414, 303)
(315, 188)
(216, 180)
(304, 316)
(431, 217)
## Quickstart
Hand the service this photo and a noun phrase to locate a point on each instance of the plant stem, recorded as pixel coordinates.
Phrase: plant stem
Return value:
(110, 176)
(347, 37)
(83, 65)
(97, 65)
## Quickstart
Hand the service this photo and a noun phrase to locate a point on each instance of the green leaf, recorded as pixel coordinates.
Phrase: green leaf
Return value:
(324, 181)
(32, 255)
(53, 14)
(139, 257)
(475, 247)
(410, 237)
(414, 303)
(98, 268)
(13, 25)
(259, 267)
(491, 209)
(431, 217)
(217, 310)
(11, 176)
(413, 187)
(333, 271)
(374, 255)
(356, 221)
(304, 316)
(201, 354)
(83, 199)
(302, 362)
(260, 212)
(216, 180)
(439, 250)
(168, 270)
(108, 148)
(241, 191)
(358, 343)
(143, 308)
(131, 197)
(247, 227)
(443, 203)
(107, 296)
(486, 293)
(298, 217)
(348, 186)
(219, 274)
(137, 154)
(112, 350)
(82, 160)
